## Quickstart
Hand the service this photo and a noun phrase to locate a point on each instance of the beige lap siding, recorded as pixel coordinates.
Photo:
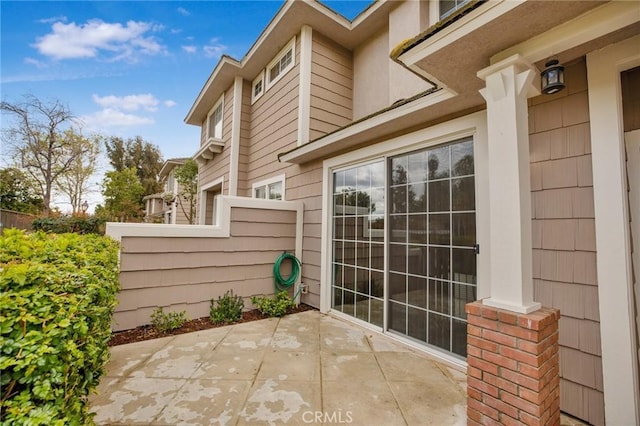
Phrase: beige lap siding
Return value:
(331, 86)
(186, 273)
(564, 251)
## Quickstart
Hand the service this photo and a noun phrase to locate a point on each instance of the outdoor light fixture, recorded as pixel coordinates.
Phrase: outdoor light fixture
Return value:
(552, 77)
(84, 206)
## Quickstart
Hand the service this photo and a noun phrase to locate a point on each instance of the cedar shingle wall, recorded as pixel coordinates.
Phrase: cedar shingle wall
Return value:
(564, 249)
(186, 273)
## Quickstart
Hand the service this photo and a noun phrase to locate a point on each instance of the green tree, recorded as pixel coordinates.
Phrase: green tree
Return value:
(40, 144)
(122, 193)
(187, 177)
(18, 192)
(75, 183)
(139, 154)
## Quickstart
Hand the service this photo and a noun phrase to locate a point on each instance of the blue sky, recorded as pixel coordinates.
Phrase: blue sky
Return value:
(128, 68)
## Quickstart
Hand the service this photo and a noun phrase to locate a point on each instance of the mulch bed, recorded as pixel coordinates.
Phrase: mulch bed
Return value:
(147, 332)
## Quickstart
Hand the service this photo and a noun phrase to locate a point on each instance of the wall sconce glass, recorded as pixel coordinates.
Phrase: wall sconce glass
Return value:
(552, 77)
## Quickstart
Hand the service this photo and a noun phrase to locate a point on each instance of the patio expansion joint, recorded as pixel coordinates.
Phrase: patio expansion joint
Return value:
(386, 379)
(257, 373)
(187, 380)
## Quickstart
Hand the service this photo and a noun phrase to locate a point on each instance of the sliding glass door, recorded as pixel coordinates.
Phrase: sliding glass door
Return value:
(430, 270)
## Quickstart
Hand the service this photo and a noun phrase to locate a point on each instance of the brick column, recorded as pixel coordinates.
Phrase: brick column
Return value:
(513, 369)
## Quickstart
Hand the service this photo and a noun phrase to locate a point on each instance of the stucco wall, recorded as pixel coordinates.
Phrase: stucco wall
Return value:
(186, 273)
(564, 249)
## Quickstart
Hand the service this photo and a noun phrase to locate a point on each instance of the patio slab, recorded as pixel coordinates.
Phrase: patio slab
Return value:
(306, 368)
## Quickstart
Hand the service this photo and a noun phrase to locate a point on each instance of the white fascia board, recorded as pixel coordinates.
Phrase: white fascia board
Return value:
(337, 137)
(480, 17)
(580, 30)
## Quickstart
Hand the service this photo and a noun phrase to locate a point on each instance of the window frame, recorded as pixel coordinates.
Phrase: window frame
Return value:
(266, 183)
(290, 46)
(458, 5)
(258, 79)
(219, 104)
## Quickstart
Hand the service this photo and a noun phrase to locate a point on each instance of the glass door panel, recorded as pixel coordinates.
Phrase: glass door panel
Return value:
(432, 233)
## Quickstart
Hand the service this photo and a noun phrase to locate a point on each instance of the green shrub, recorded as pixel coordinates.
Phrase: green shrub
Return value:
(275, 307)
(229, 308)
(162, 321)
(57, 294)
(76, 224)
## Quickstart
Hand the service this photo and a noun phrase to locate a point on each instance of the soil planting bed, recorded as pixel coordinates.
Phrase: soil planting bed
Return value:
(147, 332)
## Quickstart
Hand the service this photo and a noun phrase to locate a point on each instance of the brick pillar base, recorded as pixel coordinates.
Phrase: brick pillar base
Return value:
(513, 370)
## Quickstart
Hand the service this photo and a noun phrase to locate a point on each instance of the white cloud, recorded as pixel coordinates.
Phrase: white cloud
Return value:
(35, 62)
(214, 48)
(128, 103)
(170, 104)
(68, 41)
(182, 11)
(190, 49)
(110, 117)
(53, 19)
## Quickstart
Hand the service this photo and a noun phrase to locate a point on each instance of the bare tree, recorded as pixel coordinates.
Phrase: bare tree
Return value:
(74, 184)
(39, 143)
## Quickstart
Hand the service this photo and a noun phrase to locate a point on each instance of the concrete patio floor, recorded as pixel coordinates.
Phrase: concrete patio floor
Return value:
(306, 368)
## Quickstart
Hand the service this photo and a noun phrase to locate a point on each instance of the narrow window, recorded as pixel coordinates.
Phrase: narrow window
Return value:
(257, 87)
(270, 189)
(214, 127)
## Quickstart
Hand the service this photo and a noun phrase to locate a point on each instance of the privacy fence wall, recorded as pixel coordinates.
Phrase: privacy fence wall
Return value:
(182, 267)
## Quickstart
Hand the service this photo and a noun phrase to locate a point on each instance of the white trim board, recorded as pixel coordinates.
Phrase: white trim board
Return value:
(619, 360)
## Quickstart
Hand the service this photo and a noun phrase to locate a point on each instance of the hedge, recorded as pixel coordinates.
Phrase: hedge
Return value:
(64, 224)
(57, 294)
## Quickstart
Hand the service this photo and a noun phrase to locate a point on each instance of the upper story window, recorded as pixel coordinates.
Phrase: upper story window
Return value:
(270, 189)
(170, 185)
(282, 63)
(257, 87)
(447, 7)
(214, 120)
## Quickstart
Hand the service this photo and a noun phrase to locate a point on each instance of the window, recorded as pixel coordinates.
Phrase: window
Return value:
(271, 189)
(281, 63)
(447, 7)
(257, 87)
(214, 120)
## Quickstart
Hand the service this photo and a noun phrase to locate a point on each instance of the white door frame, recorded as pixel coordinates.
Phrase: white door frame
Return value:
(615, 294)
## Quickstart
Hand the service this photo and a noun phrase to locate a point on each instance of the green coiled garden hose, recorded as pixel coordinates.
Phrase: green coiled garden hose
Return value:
(281, 283)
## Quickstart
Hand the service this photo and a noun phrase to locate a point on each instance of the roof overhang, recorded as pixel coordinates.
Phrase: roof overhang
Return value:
(286, 23)
(169, 165)
(451, 53)
(496, 30)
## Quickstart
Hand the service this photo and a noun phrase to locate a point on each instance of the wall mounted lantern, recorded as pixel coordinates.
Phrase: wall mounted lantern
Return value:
(552, 77)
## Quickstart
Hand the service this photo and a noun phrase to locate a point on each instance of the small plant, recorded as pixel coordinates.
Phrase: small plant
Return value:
(163, 322)
(229, 308)
(275, 307)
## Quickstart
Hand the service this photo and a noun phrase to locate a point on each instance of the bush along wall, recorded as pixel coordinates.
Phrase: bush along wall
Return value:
(77, 224)
(57, 294)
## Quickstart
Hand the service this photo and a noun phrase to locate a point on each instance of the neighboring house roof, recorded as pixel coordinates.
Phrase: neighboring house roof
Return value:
(169, 165)
(286, 23)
